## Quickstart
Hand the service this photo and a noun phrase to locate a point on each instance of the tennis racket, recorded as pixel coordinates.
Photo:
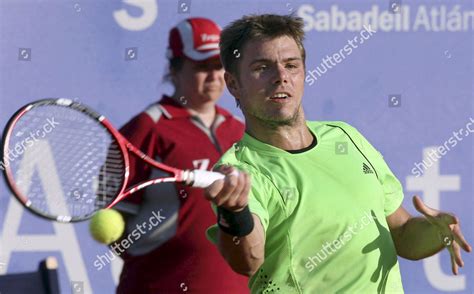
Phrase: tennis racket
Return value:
(64, 162)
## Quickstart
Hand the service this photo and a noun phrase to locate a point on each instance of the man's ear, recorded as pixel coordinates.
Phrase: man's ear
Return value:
(232, 84)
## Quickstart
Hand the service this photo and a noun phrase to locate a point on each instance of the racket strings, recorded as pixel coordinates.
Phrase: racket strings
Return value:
(68, 164)
(110, 176)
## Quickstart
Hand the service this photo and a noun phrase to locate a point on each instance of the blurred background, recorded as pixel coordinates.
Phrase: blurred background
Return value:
(408, 86)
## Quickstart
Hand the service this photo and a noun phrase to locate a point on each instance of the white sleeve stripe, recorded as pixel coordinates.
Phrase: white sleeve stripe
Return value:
(154, 112)
(164, 111)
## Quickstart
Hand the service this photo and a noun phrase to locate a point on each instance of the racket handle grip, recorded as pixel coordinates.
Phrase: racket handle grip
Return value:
(204, 178)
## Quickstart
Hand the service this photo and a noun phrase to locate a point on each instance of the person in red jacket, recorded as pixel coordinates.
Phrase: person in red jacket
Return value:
(189, 131)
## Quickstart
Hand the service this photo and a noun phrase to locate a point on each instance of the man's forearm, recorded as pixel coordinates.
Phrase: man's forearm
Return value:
(244, 254)
(417, 239)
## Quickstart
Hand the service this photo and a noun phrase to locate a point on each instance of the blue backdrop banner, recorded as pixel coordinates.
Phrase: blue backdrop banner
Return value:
(399, 71)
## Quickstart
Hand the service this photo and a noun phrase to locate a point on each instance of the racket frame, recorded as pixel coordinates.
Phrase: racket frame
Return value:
(177, 175)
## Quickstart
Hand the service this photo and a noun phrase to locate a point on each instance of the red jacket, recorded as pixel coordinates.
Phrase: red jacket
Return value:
(177, 257)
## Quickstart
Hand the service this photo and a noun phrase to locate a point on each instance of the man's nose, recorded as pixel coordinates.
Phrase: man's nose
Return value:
(281, 75)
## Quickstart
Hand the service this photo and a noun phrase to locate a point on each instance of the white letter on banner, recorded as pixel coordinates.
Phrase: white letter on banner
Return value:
(144, 21)
(63, 240)
(431, 184)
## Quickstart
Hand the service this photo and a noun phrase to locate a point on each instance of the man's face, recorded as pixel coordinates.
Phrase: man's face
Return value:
(270, 81)
(201, 81)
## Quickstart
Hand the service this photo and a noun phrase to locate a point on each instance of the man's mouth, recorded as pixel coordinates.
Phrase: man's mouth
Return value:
(280, 95)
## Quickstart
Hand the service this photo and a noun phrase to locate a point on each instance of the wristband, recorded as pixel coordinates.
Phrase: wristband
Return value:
(237, 224)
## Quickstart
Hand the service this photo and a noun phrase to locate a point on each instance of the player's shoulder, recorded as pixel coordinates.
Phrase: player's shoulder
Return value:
(354, 134)
(230, 156)
(233, 156)
(322, 126)
(329, 123)
(244, 158)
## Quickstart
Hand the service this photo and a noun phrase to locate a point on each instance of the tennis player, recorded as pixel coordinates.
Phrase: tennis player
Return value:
(189, 131)
(314, 208)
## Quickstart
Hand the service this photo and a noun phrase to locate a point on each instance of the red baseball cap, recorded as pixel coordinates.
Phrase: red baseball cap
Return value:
(196, 38)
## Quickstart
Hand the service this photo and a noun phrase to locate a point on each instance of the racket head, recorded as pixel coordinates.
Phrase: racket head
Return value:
(68, 170)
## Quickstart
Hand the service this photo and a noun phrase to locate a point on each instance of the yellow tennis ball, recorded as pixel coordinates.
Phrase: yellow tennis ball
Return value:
(106, 226)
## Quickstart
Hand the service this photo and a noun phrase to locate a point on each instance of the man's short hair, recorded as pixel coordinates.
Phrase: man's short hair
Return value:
(261, 27)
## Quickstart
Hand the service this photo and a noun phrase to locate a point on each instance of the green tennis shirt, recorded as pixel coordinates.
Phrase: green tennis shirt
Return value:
(323, 211)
